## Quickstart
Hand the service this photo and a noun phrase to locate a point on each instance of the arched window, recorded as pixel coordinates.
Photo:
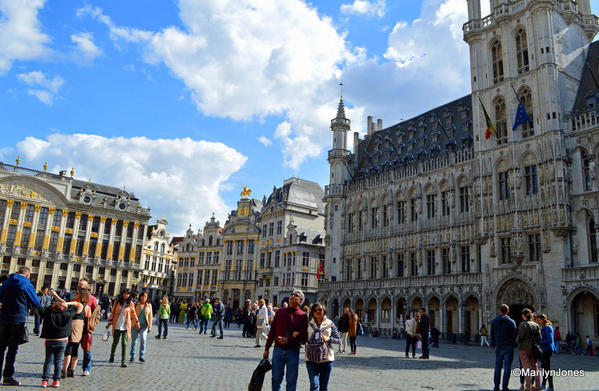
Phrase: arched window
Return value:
(522, 51)
(497, 60)
(500, 123)
(586, 170)
(592, 241)
(162, 247)
(526, 98)
(155, 246)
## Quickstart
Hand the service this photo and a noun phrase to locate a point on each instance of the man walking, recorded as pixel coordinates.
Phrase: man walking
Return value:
(261, 322)
(423, 329)
(288, 330)
(17, 294)
(45, 301)
(92, 303)
(218, 315)
(503, 340)
(205, 314)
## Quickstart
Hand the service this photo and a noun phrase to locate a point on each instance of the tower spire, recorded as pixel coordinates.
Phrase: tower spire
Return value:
(341, 109)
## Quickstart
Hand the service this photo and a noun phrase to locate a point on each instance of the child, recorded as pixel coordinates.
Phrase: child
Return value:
(56, 329)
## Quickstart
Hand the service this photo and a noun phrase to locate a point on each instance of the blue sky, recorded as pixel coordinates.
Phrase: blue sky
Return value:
(186, 101)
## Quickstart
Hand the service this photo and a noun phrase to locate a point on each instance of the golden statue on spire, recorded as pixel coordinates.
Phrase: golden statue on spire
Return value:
(246, 192)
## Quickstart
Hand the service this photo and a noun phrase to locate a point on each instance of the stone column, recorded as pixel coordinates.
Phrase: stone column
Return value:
(443, 326)
(461, 321)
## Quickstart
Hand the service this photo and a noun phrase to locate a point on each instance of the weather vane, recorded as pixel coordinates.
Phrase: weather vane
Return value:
(341, 88)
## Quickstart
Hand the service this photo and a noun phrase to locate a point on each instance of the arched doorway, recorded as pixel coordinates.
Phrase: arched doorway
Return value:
(248, 295)
(471, 321)
(334, 308)
(416, 304)
(236, 298)
(400, 309)
(585, 314)
(386, 310)
(517, 295)
(346, 304)
(359, 307)
(434, 312)
(372, 312)
(226, 296)
(451, 316)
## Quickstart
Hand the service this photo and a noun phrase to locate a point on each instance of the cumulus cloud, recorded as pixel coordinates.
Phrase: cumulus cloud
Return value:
(85, 47)
(20, 32)
(365, 7)
(49, 87)
(246, 60)
(178, 178)
(265, 140)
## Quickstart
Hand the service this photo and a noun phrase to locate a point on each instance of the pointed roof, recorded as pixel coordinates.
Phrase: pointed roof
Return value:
(340, 119)
(341, 110)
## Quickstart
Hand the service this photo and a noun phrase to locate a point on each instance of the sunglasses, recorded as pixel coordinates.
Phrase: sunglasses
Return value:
(317, 310)
(295, 295)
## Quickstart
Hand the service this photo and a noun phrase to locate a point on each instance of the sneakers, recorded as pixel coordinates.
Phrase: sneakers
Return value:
(44, 384)
(220, 338)
(141, 359)
(123, 365)
(85, 373)
(163, 337)
(55, 384)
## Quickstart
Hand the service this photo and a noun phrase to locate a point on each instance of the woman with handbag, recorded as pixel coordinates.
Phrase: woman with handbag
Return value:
(548, 347)
(320, 355)
(122, 317)
(529, 335)
(79, 324)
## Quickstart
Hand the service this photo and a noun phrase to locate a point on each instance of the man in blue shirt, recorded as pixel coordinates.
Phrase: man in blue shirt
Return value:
(503, 340)
(17, 294)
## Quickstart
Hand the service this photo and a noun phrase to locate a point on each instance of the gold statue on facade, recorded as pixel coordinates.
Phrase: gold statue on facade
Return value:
(246, 191)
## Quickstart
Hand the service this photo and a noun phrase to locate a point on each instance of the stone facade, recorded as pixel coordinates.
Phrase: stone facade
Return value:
(431, 213)
(65, 229)
(160, 261)
(291, 241)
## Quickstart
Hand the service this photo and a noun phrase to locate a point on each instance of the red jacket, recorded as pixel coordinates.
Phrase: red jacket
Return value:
(286, 322)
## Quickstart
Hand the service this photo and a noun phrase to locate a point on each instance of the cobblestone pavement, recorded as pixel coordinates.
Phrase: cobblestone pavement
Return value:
(188, 361)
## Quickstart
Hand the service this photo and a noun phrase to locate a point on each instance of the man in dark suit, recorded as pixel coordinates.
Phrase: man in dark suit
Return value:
(423, 328)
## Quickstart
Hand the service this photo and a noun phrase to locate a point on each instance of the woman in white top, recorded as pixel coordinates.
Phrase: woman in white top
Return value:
(261, 322)
(320, 328)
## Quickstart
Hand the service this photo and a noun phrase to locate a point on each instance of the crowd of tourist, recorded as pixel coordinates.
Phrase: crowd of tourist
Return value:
(68, 320)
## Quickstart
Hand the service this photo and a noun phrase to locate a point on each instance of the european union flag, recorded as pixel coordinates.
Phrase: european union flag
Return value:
(521, 115)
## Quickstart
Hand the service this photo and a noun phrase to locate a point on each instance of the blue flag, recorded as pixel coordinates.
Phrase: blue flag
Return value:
(521, 114)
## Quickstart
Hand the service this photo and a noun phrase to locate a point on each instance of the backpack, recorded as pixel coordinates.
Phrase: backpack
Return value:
(316, 349)
(94, 319)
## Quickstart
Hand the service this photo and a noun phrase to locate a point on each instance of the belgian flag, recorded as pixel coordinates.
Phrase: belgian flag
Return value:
(490, 127)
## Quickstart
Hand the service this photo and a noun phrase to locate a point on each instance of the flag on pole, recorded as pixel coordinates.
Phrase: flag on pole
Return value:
(490, 127)
(521, 114)
(320, 271)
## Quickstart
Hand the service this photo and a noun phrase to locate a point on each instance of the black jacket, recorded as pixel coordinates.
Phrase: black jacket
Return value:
(57, 324)
(343, 324)
(424, 325)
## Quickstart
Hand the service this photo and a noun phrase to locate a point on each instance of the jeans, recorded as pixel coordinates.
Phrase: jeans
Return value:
(162, 324)
(343, 342)
(122, 334)
(37, 322)
(546, 364)
(483, 341)
(87, 360)
(204, 325)
(280, 359)
(10, 334)
(54, 355)
(142, 334)
(504, 355)
(411, 341)
(215, 322)
(319, 374)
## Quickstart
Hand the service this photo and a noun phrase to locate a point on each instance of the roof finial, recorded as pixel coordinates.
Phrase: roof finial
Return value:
(341, 88)
(18, 161)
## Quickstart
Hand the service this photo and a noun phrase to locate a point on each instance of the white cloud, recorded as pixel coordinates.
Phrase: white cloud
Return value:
(85, 46)
(178, 178)
(20, 33)
(246, 60)
(39, 79)
(265, 140)
(365, 7)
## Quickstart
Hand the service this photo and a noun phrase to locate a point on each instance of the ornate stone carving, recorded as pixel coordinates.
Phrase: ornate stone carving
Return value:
(22, 191)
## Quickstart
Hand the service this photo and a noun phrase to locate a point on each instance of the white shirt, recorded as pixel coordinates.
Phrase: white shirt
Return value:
(120, 322)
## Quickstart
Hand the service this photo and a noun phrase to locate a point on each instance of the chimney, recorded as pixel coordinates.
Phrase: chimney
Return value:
(370, 126)
(379, 124)
(356, 142)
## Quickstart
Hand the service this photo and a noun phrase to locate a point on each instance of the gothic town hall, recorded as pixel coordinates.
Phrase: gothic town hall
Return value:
(431, 213)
